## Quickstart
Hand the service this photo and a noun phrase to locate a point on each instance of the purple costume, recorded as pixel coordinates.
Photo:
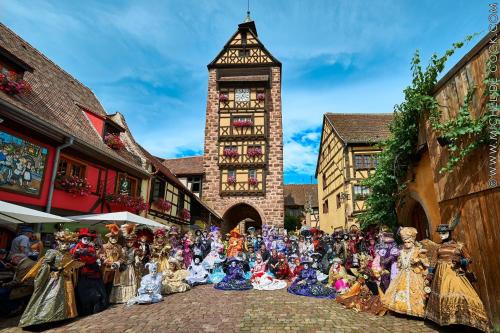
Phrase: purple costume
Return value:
(234, 279)
(306, 284)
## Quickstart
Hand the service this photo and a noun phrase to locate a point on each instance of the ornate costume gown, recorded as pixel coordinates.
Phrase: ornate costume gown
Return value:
(339, 279)
(263, 281)
(125, 287)
(217, 274)
(453, 300)
(215, 247)
(173, 282)
(306, 284)
(406, 292)
(149, 291)
(234, 247)
(197, 274)
(234, 280)
(187, 253)
(53, 298)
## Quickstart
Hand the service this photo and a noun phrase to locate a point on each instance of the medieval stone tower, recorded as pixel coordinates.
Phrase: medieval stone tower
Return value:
(243, 157)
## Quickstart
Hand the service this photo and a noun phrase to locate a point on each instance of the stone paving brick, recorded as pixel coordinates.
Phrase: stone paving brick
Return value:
(205, 309)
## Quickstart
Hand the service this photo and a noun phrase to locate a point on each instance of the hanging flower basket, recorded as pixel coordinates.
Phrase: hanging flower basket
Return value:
(126, 202)
(242, 123)
(252, 181)
(223, 97)
(186, 214)
(254, 152)
(231, 180)
(74, 185)
(113, 141)
(261, 97)
(231, 153)
(163, 205)
(10, 84)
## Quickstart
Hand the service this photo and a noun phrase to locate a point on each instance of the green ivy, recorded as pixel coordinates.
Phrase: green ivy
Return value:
(399, 150)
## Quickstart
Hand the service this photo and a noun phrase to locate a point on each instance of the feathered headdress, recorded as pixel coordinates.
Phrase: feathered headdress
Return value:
(129, 231)
(114, 230)
(450, 226)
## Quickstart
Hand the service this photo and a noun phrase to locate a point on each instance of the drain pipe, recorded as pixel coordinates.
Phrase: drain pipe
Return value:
(68, 142)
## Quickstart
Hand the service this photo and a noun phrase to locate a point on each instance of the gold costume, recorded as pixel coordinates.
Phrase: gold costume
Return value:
(453, 300)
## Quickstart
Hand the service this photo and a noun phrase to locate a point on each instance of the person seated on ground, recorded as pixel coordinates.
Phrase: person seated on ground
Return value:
(283, 269)
(15, 294)
(235, 277)
(306, 283)
(197, 273)
(263, 281)
(150, 289)
(272, 263)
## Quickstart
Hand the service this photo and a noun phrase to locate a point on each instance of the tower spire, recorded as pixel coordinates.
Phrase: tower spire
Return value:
(248, 18)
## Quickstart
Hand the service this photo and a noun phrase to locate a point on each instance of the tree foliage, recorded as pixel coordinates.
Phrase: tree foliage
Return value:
(292, 223)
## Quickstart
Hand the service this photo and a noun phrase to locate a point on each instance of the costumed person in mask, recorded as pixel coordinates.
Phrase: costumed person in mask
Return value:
(316, 264)
(126, 286)
(235, 245)
(235, 277)
(283, 271)
(406, 291)
(187, 245)
(150, 289)
(338, 277)
(111, 258)
(453, 300)
(197, 273)
(263, 281)
(306, 283)
(143, 252)
(91, 295)
(388, 259)
(53, 298)
(215, 247)
(218, 272)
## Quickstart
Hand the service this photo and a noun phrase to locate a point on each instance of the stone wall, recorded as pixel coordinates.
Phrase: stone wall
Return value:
(270, 206)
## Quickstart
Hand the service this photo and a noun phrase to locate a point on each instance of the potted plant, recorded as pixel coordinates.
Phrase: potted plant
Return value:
(252, 181)
(243, 123)
(74, 185)
(113, 141)
(223, 97)
(231, 153)
(231, 180)
(163, 205)
(254, 152)
(11, 85)
(261, 97)
(126, 202)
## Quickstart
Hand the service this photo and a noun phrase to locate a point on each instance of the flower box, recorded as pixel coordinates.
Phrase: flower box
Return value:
(163, 205)
(113, 141)
(254, 152)
(232, 153)
(231, 180)
(252, 181)
(126, 202)
(223, 97)
(10, 84)
(261, 97)
(242, 123)
(74, 185)
(186, 214)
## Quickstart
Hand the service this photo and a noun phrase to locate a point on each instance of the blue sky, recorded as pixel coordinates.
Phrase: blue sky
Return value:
(147, 59)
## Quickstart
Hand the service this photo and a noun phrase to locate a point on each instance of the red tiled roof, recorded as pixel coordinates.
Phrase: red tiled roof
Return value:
(57, 98)
(361, 127)
(300, 194)
(185, 165)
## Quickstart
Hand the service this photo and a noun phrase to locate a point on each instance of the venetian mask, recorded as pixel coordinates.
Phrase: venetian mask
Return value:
(444, 235)
(306, 266)
(62, 246)
(130, 244)
(197, 260)
(86, 240)
(113, 240)
(233, 264)
(153, 269)
(408, 243)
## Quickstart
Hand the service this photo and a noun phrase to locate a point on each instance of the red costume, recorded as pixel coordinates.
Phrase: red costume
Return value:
(283, 272)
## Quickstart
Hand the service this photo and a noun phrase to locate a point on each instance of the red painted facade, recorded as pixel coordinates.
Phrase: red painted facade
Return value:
(97, 121)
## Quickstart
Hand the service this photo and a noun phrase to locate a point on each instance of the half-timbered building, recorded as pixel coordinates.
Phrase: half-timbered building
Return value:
(347, 155)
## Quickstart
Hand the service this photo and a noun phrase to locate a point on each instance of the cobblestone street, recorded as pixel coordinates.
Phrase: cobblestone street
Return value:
(205, 309)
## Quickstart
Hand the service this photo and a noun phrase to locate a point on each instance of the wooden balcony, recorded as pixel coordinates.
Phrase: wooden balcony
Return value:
(251, 132)
(242, 188)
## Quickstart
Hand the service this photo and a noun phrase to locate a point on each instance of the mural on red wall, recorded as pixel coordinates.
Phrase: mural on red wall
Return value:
(22, 165)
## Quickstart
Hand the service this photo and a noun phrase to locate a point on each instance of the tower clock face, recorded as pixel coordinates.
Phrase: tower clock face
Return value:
(242, 95)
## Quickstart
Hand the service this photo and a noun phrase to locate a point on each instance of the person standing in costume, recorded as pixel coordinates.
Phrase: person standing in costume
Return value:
(143, 252)
(235, 245)
(235, 277)
(453, 300)
(125, 287)
(90, 292)
(187, 245)
(111, 258)
(306, 283)
(53, 298)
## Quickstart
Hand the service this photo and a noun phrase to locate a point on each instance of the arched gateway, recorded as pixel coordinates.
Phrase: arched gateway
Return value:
(243, 156)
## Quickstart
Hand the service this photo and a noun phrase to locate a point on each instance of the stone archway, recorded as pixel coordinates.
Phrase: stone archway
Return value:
(243, 215)
(414, 215)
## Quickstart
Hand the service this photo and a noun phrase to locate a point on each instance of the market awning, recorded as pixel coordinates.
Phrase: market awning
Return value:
(123, 217)
(18, 214)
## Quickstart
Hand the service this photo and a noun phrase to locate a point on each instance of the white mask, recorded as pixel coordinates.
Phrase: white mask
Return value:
(86, 240)
(444, 235)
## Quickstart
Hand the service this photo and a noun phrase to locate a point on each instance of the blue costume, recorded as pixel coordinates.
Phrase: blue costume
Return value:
(306, 284)
(235, 278)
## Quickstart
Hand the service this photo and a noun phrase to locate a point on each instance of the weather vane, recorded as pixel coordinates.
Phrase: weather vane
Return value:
(248, 19)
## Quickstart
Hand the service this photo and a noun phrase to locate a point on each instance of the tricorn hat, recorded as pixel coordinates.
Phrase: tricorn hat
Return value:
(84, 232)
(450, 226)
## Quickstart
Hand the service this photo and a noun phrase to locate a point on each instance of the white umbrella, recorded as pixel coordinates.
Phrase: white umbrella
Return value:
(19, 214)
(125, 217)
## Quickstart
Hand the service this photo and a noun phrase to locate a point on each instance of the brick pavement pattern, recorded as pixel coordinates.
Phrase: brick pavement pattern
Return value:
(205, 309)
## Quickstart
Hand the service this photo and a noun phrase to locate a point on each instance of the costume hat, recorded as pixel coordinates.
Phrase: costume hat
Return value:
(84, 232)
(450, 226)
(114, 230)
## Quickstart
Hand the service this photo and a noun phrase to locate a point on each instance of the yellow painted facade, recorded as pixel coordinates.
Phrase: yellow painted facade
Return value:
(340, 173)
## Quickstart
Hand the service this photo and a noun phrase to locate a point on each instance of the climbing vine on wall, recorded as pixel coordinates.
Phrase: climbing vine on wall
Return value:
(399, 150)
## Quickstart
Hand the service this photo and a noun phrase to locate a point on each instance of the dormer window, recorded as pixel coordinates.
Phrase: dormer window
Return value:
(12, 74)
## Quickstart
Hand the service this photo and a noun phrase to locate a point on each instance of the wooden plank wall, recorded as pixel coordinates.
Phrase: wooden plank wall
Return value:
(465, 191)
